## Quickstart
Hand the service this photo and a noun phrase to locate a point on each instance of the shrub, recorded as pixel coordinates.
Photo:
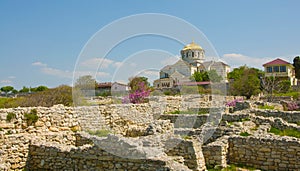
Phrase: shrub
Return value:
(266, 107)
(10, 116)
(99, 133)
(232, 103)
(138, 95)
(47, 98)
(31, 117)
(244, 134)
(195, 111)
(285, 132)
(75, 128)
(245, 119)
(292, 106)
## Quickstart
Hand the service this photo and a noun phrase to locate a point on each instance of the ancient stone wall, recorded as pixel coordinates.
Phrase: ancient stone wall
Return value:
(15, 147)
(289, 116)
(59, 157)
(271, 153)
(190, 150)
(275, 122)
(196, 121)
(215, 153)
(57, 124)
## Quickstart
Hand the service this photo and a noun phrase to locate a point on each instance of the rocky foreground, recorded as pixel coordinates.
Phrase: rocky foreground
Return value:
(148, 137)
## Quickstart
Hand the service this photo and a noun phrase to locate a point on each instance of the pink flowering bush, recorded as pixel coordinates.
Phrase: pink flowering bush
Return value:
(292, 106)
(139, 95)
(232, 103)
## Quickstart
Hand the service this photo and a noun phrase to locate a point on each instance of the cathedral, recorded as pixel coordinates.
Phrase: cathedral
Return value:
(192, 60)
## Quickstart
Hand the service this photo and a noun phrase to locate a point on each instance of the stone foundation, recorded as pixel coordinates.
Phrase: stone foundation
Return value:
(282, 153)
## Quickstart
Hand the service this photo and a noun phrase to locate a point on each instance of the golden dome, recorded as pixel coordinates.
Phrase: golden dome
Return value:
(192, 46)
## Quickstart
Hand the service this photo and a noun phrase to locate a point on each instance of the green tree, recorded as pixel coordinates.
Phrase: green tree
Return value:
(7, 89)
(135, 81)
(24, 90)
(296, 64)
(213, 76)
(85, 85)
(86, 82)
(14, 91)
(39, 88)
(271, 85)
(200, 76)
(245, 81)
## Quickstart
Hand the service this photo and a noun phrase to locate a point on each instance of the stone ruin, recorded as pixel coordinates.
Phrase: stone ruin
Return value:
(147, 137)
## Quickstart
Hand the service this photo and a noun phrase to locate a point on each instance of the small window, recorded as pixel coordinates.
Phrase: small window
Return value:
(276, 68)
(269, 69)
(193, 54)
(282, 68)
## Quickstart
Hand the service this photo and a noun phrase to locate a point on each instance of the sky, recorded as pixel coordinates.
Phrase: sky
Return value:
(46, 42)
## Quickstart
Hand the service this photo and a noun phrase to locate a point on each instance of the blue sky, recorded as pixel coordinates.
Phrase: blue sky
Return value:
(40, 41)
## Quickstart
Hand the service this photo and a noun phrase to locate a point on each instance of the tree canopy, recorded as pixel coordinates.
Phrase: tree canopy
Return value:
(39, 88)
(7, 89)
(245, 81)
(140, 90)
(24, 90)
(86, 82)
(211, 75)
(135, 81)
(296, 64)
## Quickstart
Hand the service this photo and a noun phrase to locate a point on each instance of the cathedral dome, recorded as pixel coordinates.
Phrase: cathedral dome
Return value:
(192, 46)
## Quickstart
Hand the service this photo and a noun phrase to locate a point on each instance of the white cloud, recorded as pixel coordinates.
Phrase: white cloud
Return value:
(151, 73)
(39, 64)
(102, 74)
(57, 72)
(11, 77)
(103, 63)
(5, 81)
(53, 71)
(98, 74)
(236, 60)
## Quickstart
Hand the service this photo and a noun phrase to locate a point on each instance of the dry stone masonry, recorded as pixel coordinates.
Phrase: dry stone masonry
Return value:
(147, 137)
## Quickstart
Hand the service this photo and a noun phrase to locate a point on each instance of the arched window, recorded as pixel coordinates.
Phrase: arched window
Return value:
(193, 54)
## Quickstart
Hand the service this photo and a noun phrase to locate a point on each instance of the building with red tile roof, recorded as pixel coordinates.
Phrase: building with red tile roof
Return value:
(281, 69)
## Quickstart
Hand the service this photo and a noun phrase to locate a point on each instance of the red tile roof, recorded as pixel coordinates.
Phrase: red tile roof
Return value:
(277, 61)
(104, 85)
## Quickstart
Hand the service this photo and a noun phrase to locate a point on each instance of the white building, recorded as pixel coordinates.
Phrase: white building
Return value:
(192, 60)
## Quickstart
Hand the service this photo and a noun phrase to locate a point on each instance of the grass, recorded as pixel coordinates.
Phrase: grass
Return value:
(294, 94)
(99, 133)
(240, 120)
(244, 134)
(199, 112)
(254, 128)
(245, 119)
(10, 116)
(285, 132)
(31, 117)
(231, 167)
(266, 107)
(186, 137)
(229, 123)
